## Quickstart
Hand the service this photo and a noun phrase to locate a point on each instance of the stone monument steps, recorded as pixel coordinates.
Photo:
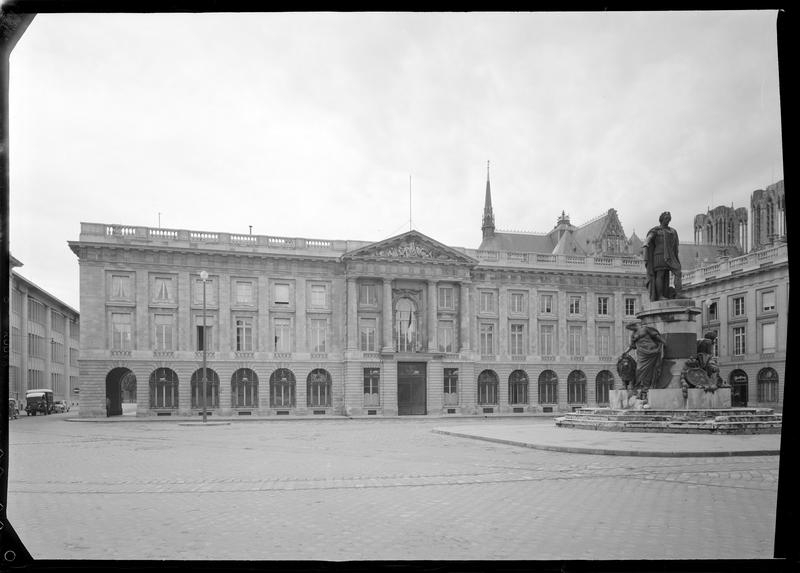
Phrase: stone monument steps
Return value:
(727, 421)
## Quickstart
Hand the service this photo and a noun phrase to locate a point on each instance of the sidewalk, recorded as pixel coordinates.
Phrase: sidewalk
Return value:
(546, 437)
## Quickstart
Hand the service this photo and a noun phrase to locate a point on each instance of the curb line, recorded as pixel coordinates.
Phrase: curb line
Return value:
(612, 452)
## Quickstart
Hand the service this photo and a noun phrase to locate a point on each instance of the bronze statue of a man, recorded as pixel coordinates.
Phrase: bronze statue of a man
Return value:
(661, 258)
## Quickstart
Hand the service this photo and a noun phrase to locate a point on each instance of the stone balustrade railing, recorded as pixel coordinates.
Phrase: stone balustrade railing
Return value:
(105, 233)
(547, 260)
(754, 260)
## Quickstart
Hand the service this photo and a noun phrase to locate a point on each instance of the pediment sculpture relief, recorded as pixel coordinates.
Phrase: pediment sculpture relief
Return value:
(410, 250)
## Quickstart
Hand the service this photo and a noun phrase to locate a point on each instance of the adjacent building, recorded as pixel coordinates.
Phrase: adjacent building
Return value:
(526, 323)
(45, 335)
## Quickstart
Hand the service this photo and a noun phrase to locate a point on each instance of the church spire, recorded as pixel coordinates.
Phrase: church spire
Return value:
(488, 216)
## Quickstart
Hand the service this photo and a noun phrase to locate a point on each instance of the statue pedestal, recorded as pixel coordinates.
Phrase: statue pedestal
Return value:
(666, 399)
(675, 320)
(699, 399)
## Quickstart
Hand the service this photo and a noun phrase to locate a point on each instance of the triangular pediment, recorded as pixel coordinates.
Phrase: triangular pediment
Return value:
(410, 246)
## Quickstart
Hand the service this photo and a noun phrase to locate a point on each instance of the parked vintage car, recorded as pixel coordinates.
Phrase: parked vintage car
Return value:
(13, 409)
(60, 406)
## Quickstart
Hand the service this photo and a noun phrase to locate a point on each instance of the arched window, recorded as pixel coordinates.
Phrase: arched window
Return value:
(767, 385)
(163, 388)
(281, 385)
(318, 388)
(405, 320)
(576, 387)
(710, 233)
(548, 387)
(487, 387)
(244, 389)
(731, 232)
(518, 387)
(212, 389)
(604, 383)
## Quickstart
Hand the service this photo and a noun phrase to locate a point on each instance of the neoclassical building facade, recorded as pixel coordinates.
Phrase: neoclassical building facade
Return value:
(290, 326)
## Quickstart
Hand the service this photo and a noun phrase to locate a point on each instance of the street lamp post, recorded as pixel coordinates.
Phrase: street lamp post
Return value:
(204, 277)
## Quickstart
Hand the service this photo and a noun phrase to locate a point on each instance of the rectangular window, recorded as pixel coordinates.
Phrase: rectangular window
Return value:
(487, 338)
(517, 302)
(768, 337)
(739, 341)
(281, 293)
(58, 322)
(16, 302)
(575, 338)
(574, 304)
(36, 311)
(546, 303)
(74, 330)
(367, 332)
(283, 335)
(244, 293)
(319, 296)
(163, 331)
(487, 301)
(368, 294)
(162, 289)
(372, 378)
(450, 380)
(547, 339)
(35, 345)
(604, 341)
(205, 337)
(630, 306)
(244, 334)
(73, 356)
(57, 352)
(602, 305)
(210, 292)
(517, 339)
(768, 301)
(120, 331)
(319, 335)
(446, 301)
(16, 340)
(121, 287)
(446, 335)
(738, 306)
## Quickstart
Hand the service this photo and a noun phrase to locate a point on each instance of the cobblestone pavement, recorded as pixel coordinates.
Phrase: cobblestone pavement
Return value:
(369, 489)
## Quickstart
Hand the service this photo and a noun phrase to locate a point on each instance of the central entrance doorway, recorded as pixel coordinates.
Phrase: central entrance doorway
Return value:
(412, 388)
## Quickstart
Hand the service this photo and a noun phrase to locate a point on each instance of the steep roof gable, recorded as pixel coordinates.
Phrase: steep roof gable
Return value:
(411, 245)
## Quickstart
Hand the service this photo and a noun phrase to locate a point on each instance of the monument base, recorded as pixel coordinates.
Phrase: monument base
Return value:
(666, 399)
(700, 399)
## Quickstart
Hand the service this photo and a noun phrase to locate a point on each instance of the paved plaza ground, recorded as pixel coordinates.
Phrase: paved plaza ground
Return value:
(378, 489)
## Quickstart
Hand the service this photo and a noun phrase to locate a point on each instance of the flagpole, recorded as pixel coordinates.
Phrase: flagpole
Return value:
(410, 226)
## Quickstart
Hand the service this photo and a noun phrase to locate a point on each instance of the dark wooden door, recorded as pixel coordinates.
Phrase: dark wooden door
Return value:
(411, 388)
(738, 389)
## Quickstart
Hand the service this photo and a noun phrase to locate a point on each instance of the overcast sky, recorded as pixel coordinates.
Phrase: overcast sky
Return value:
(310, 125)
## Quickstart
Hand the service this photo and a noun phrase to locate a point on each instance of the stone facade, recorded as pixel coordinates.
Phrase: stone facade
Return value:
(44, 341)
(525, 324)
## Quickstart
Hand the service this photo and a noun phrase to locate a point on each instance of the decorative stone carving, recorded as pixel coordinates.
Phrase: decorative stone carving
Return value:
(701, 369)
(410, 249)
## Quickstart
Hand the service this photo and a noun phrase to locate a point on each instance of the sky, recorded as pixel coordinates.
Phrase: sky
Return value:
(363, 125)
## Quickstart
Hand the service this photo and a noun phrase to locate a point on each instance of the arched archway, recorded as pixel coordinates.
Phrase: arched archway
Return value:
(576, 387)
(487, 387)
(114, 381)
(212, 389)
(282, 388)
(738, 381)
(244, 389)
(548, 387)
(518, 387)
(163, 389)
(318, 389)
(604, 383)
